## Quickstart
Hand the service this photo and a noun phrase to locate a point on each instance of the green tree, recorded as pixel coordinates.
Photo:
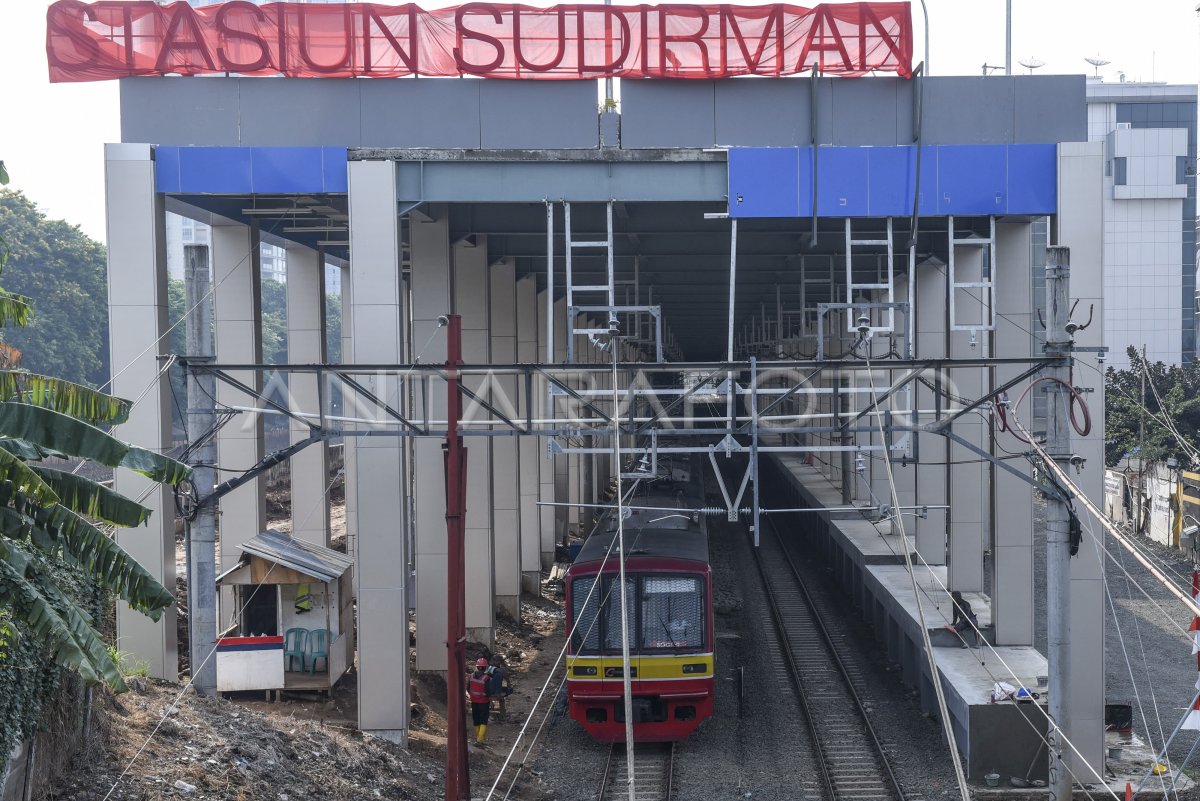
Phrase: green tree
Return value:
(1171, 427)
(53, 522)
(62, 271)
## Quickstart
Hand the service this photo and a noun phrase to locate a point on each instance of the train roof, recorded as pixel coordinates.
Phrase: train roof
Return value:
(689, 544)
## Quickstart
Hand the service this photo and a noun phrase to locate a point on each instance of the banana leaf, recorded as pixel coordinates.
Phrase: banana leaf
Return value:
(52, 618)
(47, 428)
(18, 527)
(92, 499)
(14, 309)
(155, 466)
(76, 400)
(100, 555)
(28, 451)
(25, 481)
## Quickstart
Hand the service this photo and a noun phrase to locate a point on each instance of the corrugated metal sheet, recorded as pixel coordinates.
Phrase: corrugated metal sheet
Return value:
(303, 557)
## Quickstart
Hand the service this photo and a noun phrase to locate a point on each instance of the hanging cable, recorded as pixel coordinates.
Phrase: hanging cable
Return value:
(934, 672)
(1082, 424)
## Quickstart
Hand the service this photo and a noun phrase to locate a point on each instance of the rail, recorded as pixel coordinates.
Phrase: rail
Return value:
(653, 771)
(852, 760)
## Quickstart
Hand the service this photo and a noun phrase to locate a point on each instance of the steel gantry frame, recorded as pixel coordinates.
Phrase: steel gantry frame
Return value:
(770, 406)
(581, 401)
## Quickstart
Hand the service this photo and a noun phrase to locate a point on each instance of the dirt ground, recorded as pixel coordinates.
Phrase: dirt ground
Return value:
(307, 746)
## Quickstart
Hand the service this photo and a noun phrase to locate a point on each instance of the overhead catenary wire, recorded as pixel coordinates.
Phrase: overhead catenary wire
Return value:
(562, 652)
(955, 757)
(925, 631)
(1129, 667)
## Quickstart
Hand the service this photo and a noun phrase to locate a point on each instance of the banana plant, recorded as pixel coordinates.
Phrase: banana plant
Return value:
(49, 516)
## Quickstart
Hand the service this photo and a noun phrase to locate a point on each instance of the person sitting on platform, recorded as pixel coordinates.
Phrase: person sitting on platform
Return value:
(964, 619)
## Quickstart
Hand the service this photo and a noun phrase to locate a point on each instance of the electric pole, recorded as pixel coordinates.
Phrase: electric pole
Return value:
(1142, 445)
(201, 528)
(458, 777)
(1058, 546)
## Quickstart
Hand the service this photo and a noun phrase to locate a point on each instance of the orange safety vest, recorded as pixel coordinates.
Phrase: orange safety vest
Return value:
(477, 688)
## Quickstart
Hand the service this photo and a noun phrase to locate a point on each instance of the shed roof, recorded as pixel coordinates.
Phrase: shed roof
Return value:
(321, 563)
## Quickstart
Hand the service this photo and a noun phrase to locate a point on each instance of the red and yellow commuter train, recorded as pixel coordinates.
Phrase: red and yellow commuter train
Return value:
(669, 595)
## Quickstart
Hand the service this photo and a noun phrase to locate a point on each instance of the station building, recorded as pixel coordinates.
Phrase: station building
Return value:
(736, 221)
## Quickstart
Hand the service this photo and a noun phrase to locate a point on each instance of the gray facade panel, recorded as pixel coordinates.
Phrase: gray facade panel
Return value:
(420, 113)
(973, 111)
(539, 114)
(761, 113)
(668, 114)
(162, 111)
(312, 112)
(1050, 108)
(869, 112)
(453, 113)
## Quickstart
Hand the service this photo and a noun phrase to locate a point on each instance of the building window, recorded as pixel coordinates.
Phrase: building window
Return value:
(1119, 170)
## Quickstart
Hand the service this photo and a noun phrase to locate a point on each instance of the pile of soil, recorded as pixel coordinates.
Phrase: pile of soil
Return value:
(218, 749)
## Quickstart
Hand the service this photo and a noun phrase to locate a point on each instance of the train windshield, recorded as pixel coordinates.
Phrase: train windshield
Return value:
(666, 612)
(672, 612)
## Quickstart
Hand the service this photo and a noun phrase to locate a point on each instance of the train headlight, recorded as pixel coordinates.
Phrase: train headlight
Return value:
(695, 667)
(584, 670)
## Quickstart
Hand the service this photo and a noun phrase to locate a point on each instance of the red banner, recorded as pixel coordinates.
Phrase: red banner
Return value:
(99, 41)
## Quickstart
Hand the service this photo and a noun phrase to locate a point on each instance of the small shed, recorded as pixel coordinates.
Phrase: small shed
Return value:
(290, 595)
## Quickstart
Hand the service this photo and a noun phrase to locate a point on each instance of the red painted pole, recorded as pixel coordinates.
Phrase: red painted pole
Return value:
(458, 779)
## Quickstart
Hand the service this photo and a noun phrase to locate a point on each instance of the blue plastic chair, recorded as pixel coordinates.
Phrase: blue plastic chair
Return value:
(295, 645)
(318, 648)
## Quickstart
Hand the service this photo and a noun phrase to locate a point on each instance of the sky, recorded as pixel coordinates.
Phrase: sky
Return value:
(53, 135)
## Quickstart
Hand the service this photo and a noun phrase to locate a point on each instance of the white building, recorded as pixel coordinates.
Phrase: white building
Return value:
(1149, 131)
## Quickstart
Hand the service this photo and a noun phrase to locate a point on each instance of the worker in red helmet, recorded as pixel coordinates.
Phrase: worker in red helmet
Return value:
(478, 688)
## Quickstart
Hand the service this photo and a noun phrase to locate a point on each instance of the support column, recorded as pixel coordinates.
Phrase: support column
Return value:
(349, 461)
(1081, 228)
(429, 247)
(471, 302)
(527, 338)
(546, 463)
(932, 485)
(378, 319)
(506, 465)
(564, 408)
(306, 345)
(1012, 537)
(137, 313)
(970, 504)
(237, 332)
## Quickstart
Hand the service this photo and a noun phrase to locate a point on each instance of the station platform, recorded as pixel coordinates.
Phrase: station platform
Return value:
(868, 563)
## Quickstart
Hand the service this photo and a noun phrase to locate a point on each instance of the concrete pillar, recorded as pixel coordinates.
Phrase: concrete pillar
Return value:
(430, 252)
(379, 324)
(563, 410)
(306, 345)
(349, 460)
(932, 486)
(506, 465)
(970, 501)
(546, 463)
(1012, 498)
(237, 331)
(137, 313)
(1081, 228)
(530, 455)
(470, 270)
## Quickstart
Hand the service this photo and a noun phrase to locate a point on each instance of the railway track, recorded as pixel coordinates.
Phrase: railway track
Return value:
(853, 763)
(653, 764)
